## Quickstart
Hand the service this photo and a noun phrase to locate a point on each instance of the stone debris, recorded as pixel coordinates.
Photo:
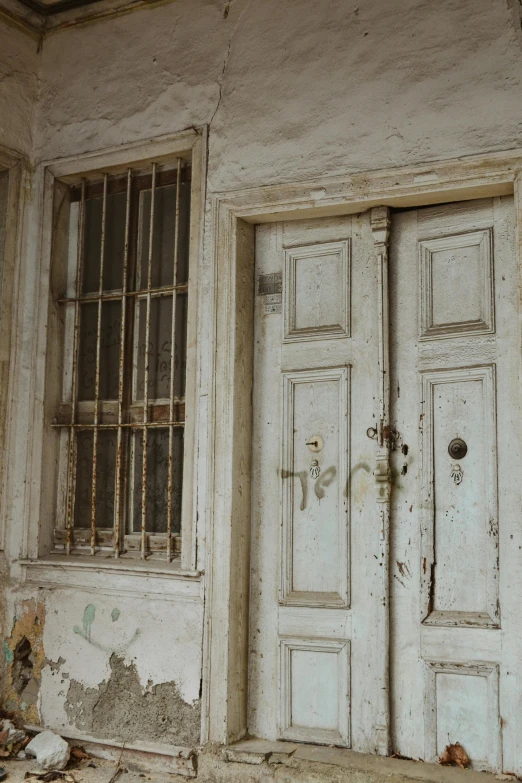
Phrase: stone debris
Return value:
(12, 739)
(51, 751)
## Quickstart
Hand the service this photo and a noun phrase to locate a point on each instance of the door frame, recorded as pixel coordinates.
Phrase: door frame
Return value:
(233, 216)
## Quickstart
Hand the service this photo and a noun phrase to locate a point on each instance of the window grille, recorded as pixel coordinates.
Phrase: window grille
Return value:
(122, 414)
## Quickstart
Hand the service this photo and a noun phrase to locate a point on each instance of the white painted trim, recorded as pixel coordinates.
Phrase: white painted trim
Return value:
(132, 578)
(10, 338)
(116, 159)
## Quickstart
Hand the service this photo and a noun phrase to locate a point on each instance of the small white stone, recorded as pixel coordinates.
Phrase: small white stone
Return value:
(51, 751)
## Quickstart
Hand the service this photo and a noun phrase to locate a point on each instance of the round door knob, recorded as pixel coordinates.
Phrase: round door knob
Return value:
(457, 448)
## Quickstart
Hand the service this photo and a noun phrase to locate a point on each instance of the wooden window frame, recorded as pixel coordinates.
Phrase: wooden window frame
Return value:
(18, 172)
(57, 180)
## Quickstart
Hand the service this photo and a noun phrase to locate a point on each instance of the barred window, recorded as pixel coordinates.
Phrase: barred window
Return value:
(124, 309)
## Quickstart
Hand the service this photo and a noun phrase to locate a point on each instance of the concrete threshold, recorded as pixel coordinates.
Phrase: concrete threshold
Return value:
(280, 759)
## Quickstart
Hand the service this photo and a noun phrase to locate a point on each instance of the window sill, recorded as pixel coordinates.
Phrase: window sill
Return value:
(131, 576)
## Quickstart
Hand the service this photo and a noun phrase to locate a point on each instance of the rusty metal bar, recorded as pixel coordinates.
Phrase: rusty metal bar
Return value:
(172, 357)
(110, 297)
(119, 436)
(146, 370)
(71, 478)
(97, 372)
(115, 426)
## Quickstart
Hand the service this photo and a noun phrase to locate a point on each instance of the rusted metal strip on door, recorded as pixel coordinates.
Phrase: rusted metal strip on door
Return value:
(71, 473)
(146, 371)
(380, 224)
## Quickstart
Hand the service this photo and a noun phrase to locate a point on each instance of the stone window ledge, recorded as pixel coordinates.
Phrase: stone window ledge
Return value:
(114, 576)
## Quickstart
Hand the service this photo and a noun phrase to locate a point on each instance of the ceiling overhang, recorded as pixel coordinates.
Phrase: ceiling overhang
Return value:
(41, 17)
(53, 7)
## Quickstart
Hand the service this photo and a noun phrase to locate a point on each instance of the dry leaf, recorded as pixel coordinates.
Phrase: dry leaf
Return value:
(79, 753)
(455, 754)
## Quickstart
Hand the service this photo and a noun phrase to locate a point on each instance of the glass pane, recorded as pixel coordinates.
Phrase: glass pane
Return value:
(184, 228)
(114, 243)
(105, 477)
(163, 237)
(109, 350)
(157, 479)
(180, 352)
(159, 347)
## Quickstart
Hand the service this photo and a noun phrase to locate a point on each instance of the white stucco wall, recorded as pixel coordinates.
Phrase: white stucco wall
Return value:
(19, 64)
(306, 87)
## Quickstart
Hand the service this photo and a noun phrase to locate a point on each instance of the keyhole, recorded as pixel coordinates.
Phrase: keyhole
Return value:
(315, 443)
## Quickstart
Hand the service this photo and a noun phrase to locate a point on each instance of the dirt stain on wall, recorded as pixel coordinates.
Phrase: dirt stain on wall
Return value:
(23, 660)
(121, 709)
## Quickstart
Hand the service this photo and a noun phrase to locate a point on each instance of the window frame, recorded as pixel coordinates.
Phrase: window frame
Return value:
(17, 170)
(58, 177)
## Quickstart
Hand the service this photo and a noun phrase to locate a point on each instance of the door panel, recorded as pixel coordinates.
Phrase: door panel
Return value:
(316, 659)
(455, 644)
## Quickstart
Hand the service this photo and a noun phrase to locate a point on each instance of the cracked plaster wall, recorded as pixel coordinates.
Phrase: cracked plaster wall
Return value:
(121, 668)
(19, 67)
(292, 89)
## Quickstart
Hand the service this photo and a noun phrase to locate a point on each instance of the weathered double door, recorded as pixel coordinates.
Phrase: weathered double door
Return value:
(386, 535)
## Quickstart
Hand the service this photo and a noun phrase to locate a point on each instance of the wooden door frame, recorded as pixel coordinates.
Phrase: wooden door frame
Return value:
(233, 217)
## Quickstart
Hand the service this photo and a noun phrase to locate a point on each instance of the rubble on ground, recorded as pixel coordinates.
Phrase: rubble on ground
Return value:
(12, 739)
(51, 751)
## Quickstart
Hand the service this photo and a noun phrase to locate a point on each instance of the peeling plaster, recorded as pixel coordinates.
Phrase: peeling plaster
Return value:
(120, 708)
(116, 658)
(24, 659)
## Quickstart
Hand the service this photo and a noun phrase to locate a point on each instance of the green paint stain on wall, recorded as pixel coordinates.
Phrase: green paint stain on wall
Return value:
(115, 614)
(87, 621)
(8, 653)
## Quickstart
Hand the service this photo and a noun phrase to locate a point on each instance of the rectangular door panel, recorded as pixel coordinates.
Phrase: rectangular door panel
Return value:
(315, 690)
(315, 568)
(460, 496)
(455, 695)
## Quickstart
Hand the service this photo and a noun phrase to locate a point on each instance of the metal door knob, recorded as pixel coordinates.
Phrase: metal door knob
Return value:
(457, 448)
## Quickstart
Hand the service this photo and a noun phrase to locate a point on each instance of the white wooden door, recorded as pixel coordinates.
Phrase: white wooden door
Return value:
(456, 548)
(318, 645)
